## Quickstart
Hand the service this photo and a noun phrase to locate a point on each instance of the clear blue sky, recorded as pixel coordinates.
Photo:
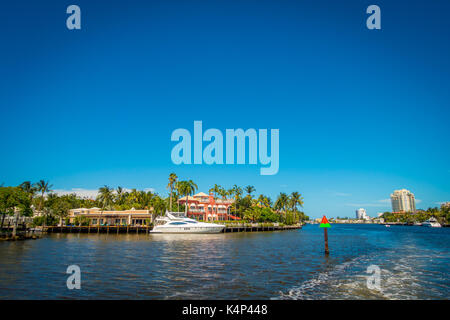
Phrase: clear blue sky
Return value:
(360, 112)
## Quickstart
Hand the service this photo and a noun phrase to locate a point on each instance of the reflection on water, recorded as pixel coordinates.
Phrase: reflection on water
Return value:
(266, 265)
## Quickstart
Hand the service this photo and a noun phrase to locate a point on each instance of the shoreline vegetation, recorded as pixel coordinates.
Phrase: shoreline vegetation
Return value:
(30, 205)
(35, 204)
(442, 215)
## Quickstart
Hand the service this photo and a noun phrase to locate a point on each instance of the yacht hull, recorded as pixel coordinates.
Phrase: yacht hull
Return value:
(175, 223)
(208, 229)
(432, 225)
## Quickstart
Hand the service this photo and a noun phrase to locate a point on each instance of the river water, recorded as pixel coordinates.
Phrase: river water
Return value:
(414, 264)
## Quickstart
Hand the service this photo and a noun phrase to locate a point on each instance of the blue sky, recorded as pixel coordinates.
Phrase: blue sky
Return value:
(360, 112)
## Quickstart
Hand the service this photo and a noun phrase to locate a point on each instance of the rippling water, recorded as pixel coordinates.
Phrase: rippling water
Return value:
(414, 264)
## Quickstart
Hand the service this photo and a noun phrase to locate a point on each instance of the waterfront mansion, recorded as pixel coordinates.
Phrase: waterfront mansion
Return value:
(206, 207)
(96, 216)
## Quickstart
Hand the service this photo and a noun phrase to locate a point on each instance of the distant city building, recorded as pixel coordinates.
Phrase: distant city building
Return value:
(361, 214)
(403, 201)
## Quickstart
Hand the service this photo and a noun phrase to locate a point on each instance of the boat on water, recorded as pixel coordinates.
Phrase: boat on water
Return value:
(387, 225)
(177, 222)
(432, 222)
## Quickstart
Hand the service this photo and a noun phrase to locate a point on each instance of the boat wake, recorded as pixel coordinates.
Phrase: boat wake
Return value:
(401, 278)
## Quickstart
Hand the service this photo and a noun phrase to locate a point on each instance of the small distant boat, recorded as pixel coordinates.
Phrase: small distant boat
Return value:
(432, 222)
(387, 225)
(177, 222)
(417, 223)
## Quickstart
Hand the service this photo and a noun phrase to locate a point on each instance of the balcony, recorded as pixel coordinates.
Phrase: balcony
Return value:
(196, 211)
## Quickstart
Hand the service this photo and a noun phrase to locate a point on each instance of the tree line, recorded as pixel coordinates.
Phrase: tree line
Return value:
(286, 208)
(441, 214)
(49, 208)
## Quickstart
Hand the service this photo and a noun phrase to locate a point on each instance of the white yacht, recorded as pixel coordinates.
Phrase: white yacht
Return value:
(177, 222)
(432, 222)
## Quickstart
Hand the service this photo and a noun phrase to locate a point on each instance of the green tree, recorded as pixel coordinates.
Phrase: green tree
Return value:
(253, 214)
(105, 197)
(29, 189)
(172, 180)
(216, 189)
(236, 191)
(81, 221)
(187, 188)
(249, 190)
(267, 215)
(43, 187)
(178, 189)
(60, 208)
(263, 201)
(295, 200)
(223, 193)
(120, 193)
(281, 203)
(13, 201)
(159, 205)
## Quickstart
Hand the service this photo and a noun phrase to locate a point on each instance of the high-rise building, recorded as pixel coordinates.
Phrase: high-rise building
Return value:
(403, 201)
(361, 214)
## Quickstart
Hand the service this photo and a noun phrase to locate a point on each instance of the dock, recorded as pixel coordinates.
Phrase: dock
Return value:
(21, 234)
(99, 229)
(260, 228)
(146, 229)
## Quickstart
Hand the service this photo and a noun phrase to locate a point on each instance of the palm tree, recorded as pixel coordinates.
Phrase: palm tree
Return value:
(172, 179)
(249, 190)
(237, 192)
(263, 201)
(282, 202)
(159, 205)
(296, 199)
(188, 188)
(144, 199)
(141, 199)
(216, 189)
(149, 198)
(133, 197)
(28, 188)
(119, 195)
(105, 197)
(177, 187)
(60, 208)
(223, 193)
(268, 202)
(43, 187)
